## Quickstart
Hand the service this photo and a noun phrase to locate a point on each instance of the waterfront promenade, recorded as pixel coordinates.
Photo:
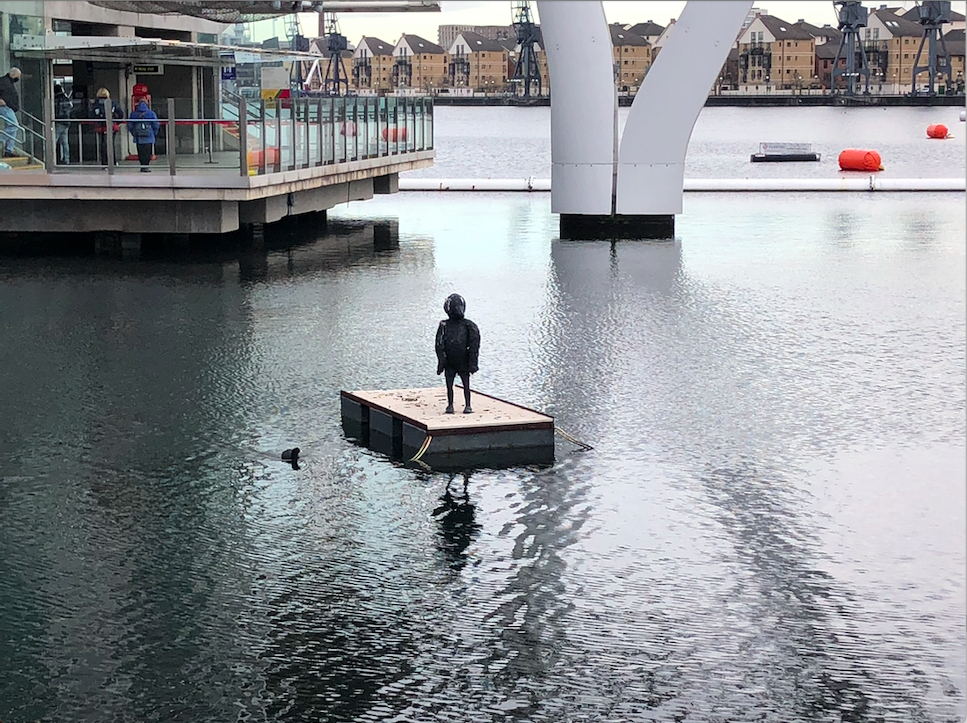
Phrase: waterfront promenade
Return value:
(287, 159)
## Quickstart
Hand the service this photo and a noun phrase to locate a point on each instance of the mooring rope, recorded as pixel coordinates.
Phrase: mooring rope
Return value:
(422, 450)
(571, 439)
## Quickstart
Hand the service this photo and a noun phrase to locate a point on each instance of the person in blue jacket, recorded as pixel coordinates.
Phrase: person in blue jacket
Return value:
(143, 126)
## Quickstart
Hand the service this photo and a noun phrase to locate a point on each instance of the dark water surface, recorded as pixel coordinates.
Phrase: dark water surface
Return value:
(770, 527)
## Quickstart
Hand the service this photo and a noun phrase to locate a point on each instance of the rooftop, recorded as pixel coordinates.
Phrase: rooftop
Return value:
(646, 29)
(783, 30)
(420, 45)
(827, 31)
(376, 46)
(620, 36)
(896, 25)
(478, 43)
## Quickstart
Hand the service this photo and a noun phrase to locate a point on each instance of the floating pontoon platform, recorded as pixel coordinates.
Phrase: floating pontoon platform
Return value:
(398, 422)
(784, 152)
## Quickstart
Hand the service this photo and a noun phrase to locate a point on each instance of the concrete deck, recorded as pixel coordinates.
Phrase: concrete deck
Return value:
(193, 201)
(398, 421)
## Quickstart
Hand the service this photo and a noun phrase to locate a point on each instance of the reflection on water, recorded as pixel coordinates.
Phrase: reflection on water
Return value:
(457, 526)
(770, 525)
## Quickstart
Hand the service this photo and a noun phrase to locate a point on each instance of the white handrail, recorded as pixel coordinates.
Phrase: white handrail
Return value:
(708, 185)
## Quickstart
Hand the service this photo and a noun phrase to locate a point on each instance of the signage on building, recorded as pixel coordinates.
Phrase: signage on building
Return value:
(274, 81)
(148, 69)
(228, 72)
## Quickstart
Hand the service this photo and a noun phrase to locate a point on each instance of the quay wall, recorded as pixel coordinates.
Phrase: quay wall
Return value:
(739, 101)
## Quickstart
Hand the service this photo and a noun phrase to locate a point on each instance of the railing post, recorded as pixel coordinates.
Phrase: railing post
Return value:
(50, 152)
(293, 104)
(109, 135)
(242, 137)
(376, 113)
(332, 126)
(319, 126)
(170, 136)
(421, 134)
(264, 162)
(308, 115)
(277, 168)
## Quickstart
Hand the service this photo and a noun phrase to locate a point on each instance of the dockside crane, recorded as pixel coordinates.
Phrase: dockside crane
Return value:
(852, 17)
(526, 71)
(337, 79)
(933, 16)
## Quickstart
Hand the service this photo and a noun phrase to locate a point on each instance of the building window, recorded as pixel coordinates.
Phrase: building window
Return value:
(788, 44)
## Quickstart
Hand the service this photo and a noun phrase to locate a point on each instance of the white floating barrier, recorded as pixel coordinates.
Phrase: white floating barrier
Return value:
(707, 185)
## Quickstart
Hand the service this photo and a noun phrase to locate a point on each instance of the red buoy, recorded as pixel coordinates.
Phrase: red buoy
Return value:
(937, 131)
(394, 134)
(858, 160)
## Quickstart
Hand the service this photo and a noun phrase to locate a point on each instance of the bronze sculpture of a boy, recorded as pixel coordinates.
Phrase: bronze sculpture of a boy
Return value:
(457, 349)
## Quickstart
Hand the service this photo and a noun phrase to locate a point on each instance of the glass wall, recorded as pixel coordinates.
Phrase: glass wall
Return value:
(22, 25)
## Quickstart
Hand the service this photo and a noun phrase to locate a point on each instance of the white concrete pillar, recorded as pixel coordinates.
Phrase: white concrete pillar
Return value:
(577, 42)
(651, 157)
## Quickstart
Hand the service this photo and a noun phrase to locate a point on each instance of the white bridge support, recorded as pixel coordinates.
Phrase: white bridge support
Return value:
(631, 190)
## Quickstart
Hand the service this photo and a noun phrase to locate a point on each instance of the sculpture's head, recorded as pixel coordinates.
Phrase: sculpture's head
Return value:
(455, 306)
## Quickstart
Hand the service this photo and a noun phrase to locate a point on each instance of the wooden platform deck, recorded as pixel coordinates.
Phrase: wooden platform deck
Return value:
(400, 420)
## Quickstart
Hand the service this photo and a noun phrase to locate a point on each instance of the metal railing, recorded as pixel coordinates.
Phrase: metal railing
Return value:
(279, 135)
(311, 132)
(31, 136)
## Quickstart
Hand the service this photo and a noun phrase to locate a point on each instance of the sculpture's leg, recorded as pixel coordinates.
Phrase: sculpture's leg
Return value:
(465, 378)
(449, 374)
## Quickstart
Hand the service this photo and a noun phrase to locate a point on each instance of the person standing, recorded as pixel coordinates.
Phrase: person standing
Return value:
(62, 113)
(143, 126)
(9, 105)
(100, 129)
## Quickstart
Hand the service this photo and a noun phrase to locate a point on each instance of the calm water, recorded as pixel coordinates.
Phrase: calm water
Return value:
(770, 527)
(516, 142)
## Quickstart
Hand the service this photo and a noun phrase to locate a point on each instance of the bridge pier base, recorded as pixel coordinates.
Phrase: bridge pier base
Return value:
(626, 227)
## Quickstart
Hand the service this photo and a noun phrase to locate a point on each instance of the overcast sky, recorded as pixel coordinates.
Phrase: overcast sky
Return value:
(389, 26)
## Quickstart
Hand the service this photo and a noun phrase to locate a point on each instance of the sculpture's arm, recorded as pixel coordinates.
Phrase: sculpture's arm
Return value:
(441, 354)
(473, 346)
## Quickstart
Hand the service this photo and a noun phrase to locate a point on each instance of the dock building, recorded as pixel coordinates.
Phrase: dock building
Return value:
(221, 161)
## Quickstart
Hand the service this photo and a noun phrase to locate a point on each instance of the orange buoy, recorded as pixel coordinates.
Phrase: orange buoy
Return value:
(858, 160)
(394, 134)
(256, 159)
(937, 131)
